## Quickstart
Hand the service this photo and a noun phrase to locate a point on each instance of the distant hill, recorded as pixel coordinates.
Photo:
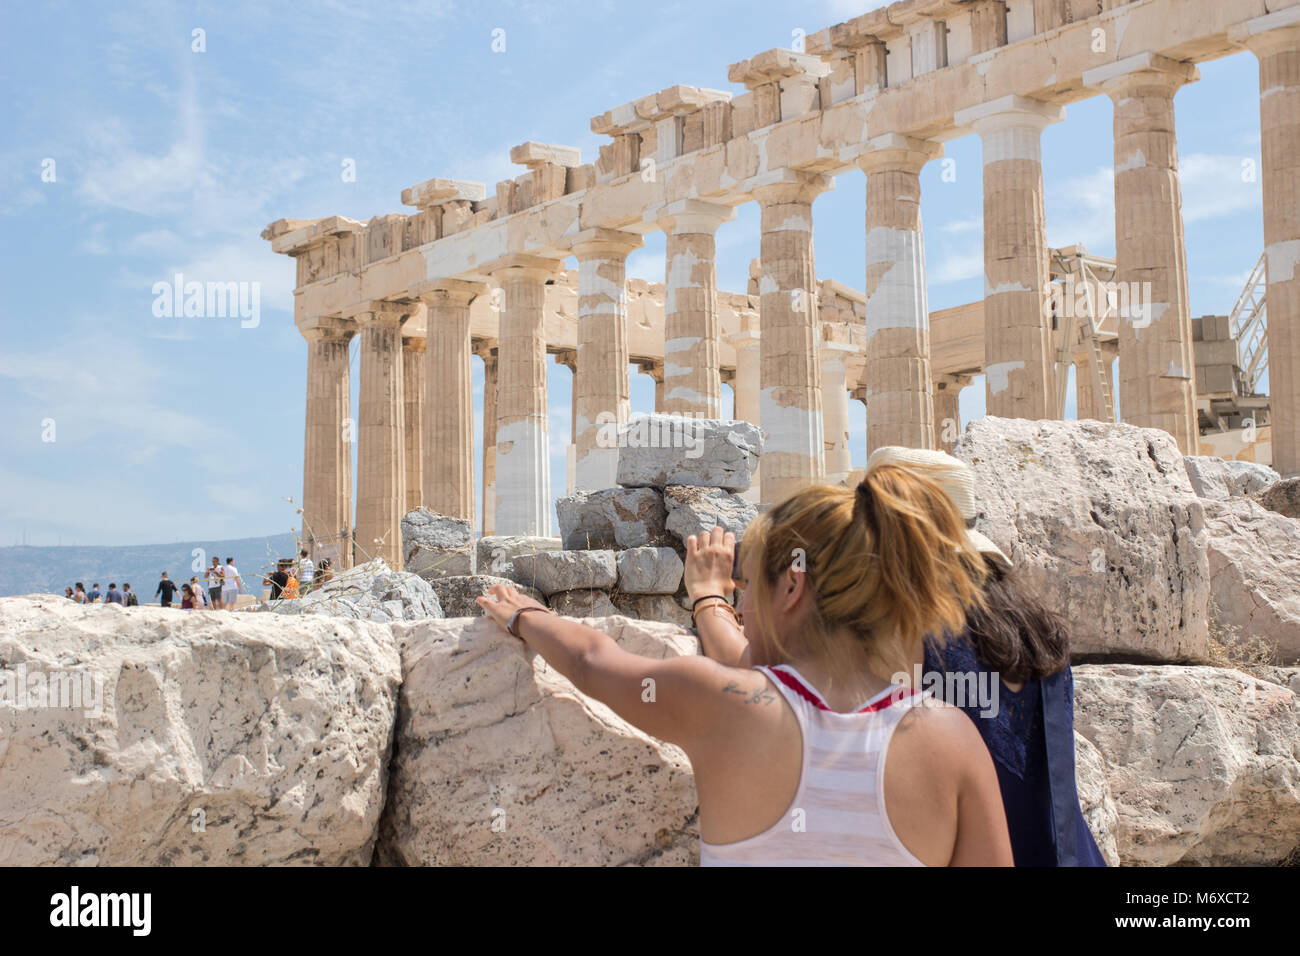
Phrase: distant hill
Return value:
(26, 570)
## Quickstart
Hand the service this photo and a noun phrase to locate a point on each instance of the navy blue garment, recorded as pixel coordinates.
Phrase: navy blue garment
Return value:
(1031, 740)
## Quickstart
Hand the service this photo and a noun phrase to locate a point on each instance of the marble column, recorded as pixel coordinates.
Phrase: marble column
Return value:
(835, 410)
(413, 437)
(523, 480)
(449, 398)
(947, 410)
(691, 328)
(790, 405)
(486, 350)
(1275, 41)
(600, 380)
(1157, 385)
(327, 455)
(1086, 400)
(897, 372)
(381, 463)
(746, 389)
(1018, 359)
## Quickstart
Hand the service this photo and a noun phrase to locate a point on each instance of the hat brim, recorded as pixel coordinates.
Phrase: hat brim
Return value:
(984, 546)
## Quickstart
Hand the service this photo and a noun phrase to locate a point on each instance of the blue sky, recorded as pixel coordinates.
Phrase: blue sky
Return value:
(168, 160)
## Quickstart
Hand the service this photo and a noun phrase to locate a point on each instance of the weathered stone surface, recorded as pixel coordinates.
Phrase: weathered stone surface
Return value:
(649, 571)
(659, 450)
(552, 571)
(651, 607)
(1202, 762)
(1102, 522)
(435, 545)
(1220, 478)
(276, 729)
(692, 510)
(367, 592)
(457, 594)
(1255, 574)
(499, 760)
(495, 553)
(1094, 797)
(1282, 496)
(1288, 677)
(585, 602)
(613, 518)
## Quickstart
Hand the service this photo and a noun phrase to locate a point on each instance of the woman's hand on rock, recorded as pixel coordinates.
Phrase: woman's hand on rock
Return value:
(502, 600)
(709, 558)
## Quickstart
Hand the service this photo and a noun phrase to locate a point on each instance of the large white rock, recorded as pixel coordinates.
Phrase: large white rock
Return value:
(1102, 521)
(1222, 478)
(1202, 763)
(436, 545)
(367, 592)
(659, 450)
(695, 510)
(1255, 575)
(495, 554)
(1095, 799)
(649, 571)
(613, 518)
(552, 571)
(499, 760)
(220, 738)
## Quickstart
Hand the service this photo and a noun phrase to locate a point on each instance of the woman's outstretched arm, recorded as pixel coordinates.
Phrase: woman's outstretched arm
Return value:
(678, 699)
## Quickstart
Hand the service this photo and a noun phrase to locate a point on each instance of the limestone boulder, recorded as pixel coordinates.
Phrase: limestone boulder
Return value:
(552, 571)
(458, 594)
(660, 450)
(1282, 496)
(1102, 521)
(499, 760)
(1221, 478)
(202, 737)
(1255, 575)
(435, 545)
(693, 510)
(613, 518)
(587, 602)
(1095, 799)
(649, 571)
(367, 592)
(495, 554)
(1203, 763)
(652, 607)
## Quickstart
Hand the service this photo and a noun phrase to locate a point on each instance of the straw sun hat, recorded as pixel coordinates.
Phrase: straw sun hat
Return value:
(952, 475)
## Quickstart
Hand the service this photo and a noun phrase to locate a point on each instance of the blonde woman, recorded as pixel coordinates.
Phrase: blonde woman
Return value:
(789, 746)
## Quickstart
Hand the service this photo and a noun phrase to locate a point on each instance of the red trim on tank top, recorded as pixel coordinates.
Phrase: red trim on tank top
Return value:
(807, 693)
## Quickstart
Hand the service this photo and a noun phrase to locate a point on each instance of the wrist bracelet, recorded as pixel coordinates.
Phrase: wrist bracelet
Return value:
(731, 610)
(514, 618)
(696, 602)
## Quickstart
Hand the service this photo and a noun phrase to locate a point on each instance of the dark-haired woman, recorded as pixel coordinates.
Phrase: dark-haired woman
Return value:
(1015, 645)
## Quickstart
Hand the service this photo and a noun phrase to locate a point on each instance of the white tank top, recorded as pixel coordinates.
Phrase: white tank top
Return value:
(838, 814)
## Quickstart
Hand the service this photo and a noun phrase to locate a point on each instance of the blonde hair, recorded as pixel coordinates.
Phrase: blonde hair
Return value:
(888, 562)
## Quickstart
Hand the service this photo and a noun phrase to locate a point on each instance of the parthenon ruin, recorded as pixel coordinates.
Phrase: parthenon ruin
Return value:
(471, 274)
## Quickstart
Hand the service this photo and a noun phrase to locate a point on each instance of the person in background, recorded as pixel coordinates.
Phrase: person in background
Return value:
(277, 579)
(114, 596)
(290, 584)
(128, 596)
(187, 597)
(80, 594)
(231, 586)
(326, 572)
(214, 584)
(166, 588)
(306, 570)
(200, 596)
(93, 596)
(67, 593)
